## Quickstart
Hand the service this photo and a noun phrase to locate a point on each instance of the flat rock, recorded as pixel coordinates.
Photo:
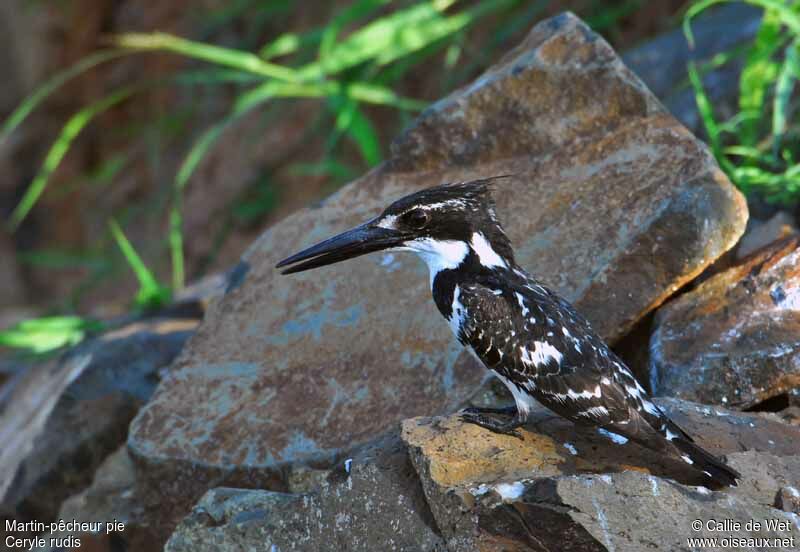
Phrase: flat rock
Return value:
(60, 420)
(372, 501)
(735, 339)
(565, 488)
(612, 202)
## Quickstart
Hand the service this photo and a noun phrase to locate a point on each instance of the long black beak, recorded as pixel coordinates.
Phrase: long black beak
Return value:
(356, 242)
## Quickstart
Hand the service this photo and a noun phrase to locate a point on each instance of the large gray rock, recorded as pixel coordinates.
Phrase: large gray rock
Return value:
(613, 203)
(566, 488)
(373, 501)
(59, 421)
(735, 339)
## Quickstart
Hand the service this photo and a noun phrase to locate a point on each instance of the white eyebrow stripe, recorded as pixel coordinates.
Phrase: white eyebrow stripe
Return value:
(487, 256)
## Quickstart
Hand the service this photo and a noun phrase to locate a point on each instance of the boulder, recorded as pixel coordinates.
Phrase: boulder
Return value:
(568, 488)
(111, 498)
(60, 420)
(372, 501)
(735, 339)
(612, 202)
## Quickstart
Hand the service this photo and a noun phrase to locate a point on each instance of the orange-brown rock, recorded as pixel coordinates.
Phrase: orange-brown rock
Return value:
(735, 339)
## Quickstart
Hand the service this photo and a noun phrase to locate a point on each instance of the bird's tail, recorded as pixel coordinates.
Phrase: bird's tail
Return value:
(701, 459)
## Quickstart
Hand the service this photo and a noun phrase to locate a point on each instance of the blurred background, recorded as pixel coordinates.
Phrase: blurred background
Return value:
(145, 145)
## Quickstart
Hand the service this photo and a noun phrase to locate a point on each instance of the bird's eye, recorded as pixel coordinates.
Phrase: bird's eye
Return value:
(416, 218)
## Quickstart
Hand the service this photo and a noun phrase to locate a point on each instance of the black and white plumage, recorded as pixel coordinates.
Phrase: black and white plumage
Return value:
(532, 339)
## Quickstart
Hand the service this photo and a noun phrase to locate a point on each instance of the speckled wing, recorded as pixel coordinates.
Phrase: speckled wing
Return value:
(539, 346)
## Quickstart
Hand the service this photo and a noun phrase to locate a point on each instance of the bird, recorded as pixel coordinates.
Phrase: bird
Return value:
(533, 339)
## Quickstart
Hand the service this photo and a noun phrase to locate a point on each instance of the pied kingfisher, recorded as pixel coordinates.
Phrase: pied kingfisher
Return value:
(532, 339)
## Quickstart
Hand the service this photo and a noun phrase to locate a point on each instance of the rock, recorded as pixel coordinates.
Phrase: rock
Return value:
(553, 489)
(788, 499)
(736, 338)
(661, 63)
(373, 501)
(764, 475)
(613, 203)
(761, 233)
(70, 415)
(790, 415)
(112, 497)
(627, 511)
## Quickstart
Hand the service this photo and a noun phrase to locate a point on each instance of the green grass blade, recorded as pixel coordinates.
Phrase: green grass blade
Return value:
(175, 239)
(758, 75)
(381, 95)
(53, 84)
(228, 57)
(358, 10)
(151, 294)
(388, 37)
(69, 132)
(706, 113)
(790, 72)
(289, 43)
(786, 11)
(242, 105)
(352, 121)
(214, 76)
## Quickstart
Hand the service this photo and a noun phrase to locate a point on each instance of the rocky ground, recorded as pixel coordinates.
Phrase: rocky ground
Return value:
(317, 412)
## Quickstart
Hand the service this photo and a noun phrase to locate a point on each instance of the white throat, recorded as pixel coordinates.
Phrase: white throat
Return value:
(439, 254)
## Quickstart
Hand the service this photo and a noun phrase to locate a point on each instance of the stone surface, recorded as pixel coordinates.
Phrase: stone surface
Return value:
(562, 488)
(661, 63)
(788, 499)
(61, 420)
(613, 203)
(761, 233)
(736, 338)
(111, 496)
(372, 501)
(628, 511)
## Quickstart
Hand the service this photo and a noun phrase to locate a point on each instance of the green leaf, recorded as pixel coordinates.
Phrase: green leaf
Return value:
(151, 294)
(59, 148)
(42, 335)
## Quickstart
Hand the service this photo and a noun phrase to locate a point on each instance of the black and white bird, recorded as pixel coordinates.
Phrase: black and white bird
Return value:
(531, 338)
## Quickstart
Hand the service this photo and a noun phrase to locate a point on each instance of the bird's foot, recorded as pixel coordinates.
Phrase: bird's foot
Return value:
(504, 411)
(493, 425)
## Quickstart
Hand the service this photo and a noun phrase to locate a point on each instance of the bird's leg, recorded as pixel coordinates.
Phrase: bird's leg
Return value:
(470, 416)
